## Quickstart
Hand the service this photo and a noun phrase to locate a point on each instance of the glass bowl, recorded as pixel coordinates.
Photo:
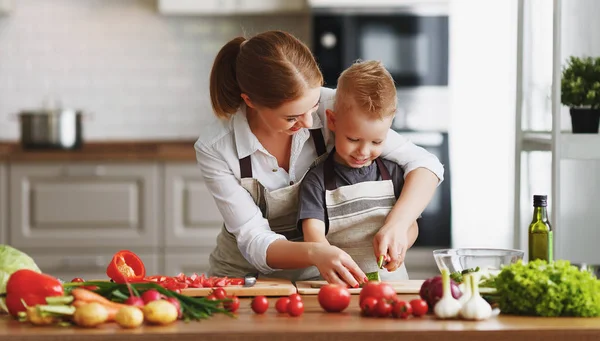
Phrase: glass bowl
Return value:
(457, 260)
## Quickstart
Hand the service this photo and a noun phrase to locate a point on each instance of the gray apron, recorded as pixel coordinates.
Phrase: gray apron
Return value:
(355, 213)
(280, 208)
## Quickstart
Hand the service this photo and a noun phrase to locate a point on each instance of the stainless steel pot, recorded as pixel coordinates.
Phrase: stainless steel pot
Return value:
(51, 129)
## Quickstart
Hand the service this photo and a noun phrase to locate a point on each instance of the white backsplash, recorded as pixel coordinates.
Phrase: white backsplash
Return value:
(139, 74)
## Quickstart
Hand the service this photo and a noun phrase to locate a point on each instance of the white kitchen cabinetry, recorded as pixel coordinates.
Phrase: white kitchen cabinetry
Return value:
(191, 216)
(88, 264)
(230, 7)
(84, 205)
(188, 262)
(565, 165)
(3, 202)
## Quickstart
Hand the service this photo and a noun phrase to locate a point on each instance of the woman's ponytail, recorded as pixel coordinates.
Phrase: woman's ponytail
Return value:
(225, 92)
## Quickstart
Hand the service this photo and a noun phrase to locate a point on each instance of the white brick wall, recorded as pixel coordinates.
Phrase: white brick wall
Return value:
(140, 74)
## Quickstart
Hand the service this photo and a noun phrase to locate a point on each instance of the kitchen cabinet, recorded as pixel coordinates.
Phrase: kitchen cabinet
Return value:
(191, 216)
(549, 159)
(230, 7)
(82, 204)
(3, 202)
(87, 264)
(187, 262)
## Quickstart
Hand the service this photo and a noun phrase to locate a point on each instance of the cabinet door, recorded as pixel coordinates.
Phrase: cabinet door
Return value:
(269, 6)
(420, 263)
(89, 265)
(3, 202)
(188, 262)
(191, 7)
(83, 205)
(191, 215)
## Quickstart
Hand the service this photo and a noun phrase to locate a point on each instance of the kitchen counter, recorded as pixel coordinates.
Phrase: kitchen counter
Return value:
(181, 150)
(316, 325)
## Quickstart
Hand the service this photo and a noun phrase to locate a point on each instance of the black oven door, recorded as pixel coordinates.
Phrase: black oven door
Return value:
(413, 47)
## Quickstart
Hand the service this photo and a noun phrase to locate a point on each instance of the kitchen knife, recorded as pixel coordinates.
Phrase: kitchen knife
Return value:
(250, 280)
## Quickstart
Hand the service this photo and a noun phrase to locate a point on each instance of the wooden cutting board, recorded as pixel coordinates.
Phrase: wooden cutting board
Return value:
(401, 287)
(264, 287)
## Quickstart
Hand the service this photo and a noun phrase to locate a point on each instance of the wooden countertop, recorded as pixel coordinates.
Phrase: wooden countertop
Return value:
(316, 325)
(118, 151)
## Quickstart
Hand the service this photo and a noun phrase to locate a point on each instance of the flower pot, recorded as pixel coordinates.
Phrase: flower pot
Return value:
(585, 121)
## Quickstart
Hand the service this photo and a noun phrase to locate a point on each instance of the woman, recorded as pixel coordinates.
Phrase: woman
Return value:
(268, 93)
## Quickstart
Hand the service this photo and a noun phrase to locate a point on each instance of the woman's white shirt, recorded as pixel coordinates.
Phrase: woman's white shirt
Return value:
(223, 143)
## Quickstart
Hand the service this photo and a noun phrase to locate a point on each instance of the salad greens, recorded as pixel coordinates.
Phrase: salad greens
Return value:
(539, 288)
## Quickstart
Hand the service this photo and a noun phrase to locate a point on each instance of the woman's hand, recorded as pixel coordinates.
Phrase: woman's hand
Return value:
(392, 242)
(336, 266)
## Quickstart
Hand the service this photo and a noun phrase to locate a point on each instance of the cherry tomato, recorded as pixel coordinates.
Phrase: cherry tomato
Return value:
(378, 290)
(295, 297)
(383, 308)
(77, 280)
(334, 298)
(212, 297)
(260, 304)
(219, 293)
(419, 307)
(401, 309)
(282, 305)
(368, 306)
(232, 305)
(295, 308)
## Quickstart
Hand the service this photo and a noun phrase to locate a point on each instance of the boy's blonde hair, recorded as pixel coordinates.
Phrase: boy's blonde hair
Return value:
(368, 86)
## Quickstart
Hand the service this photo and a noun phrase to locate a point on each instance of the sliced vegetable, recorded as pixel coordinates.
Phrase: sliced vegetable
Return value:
(126, 266)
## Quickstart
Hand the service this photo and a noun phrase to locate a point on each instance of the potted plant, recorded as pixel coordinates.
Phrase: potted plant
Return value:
(580, 91)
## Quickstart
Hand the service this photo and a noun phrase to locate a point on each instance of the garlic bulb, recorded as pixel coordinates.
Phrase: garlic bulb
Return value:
(448, 307)
(466, 295)
(476, 308)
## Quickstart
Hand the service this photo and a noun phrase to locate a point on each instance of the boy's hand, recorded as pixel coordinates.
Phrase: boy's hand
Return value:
(336, 266)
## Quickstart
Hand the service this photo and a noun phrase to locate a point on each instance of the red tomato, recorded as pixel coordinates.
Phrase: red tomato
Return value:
(219, 293)
(378, 290)
(334, 298)
(419, 307)
(295, 308)
(383, 308)
(260, 304)
(211, 297)
(77, 279)
(282, 304)
(368, 306)
(295, 297)
(401, 309)
(232, 305)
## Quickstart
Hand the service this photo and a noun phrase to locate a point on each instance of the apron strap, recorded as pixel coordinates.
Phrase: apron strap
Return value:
(383, 171)
(246, 167)
(318, 140)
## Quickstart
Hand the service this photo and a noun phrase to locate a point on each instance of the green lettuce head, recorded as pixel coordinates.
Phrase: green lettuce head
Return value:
(12, 260)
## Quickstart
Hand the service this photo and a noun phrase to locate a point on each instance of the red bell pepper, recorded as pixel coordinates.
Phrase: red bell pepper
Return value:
(31, 287)
(126, 266)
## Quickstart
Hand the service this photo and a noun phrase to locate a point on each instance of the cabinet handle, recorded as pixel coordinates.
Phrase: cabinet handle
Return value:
(85, 171)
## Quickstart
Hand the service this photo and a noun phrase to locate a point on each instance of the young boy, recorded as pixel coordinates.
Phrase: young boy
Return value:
(345, 199)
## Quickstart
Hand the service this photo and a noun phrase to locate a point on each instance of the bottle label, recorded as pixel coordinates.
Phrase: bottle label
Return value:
(550, 247)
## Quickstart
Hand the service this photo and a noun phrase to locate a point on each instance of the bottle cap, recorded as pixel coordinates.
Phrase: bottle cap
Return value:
(540, 200)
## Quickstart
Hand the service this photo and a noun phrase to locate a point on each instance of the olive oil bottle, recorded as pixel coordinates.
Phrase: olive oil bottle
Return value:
(540, 231)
